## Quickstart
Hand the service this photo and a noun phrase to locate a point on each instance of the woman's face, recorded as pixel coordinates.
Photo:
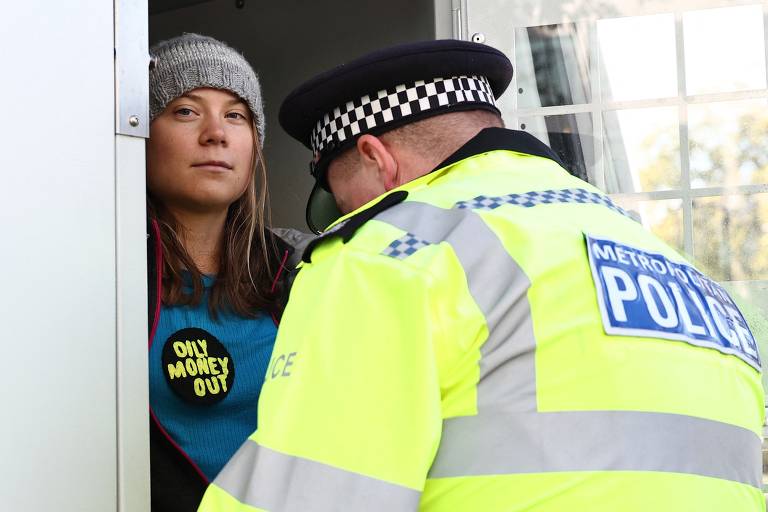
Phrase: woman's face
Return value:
(200, 151)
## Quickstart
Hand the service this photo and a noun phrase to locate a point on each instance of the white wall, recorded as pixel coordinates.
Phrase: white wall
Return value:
(57, 226)
(288, 42)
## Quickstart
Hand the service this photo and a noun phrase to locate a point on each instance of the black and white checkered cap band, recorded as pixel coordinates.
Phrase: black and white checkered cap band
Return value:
(388, 105)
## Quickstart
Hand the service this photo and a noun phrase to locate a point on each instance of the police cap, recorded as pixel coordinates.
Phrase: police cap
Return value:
(386, 89)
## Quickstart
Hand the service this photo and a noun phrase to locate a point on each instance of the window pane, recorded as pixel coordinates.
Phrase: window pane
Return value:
(664, 218)
(641, 150)
(724, 49)
(570, 136)
(552, 65)
(730, 236)
(622, 59)
(752, 299)
(728, 142)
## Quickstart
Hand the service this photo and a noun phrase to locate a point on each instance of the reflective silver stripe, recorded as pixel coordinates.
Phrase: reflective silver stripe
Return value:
(499, 287)
(274, 481)
(521, 440)
(509, 443)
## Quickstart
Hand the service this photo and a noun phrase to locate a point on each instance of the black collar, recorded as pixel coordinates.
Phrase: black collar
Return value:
(489, 139)
(492, 139)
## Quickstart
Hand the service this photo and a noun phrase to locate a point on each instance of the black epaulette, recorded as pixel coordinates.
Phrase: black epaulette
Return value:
(346, 229)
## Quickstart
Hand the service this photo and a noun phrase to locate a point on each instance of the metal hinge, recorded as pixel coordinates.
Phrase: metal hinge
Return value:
(131, 68)
(458, 20)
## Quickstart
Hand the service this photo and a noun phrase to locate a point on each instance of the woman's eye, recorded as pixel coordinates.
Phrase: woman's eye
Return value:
(236, 115)
(183, 111)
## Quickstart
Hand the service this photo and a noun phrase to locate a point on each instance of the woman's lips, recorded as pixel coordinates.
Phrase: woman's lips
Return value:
(213, 165)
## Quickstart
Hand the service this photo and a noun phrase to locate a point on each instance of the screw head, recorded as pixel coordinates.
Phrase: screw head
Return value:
(133, 121)
(478, 37)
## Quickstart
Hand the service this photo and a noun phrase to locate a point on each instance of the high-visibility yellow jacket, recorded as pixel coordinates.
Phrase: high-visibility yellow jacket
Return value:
(499, 336)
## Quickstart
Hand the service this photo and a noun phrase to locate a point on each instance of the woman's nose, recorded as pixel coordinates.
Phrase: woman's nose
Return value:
(213, 132)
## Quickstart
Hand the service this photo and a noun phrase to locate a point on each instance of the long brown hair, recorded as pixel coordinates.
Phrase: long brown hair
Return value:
(244, 280)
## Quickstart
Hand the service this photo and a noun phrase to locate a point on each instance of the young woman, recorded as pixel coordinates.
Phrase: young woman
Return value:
(217, 275)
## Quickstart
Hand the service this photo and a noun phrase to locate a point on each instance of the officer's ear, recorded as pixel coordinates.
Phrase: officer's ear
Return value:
(378, 158)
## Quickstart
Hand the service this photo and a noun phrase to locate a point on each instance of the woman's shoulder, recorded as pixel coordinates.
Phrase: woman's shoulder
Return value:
(290, 244)
(292, 240)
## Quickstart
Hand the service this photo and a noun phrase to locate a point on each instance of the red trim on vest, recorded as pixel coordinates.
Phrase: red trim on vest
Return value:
(179, 448)
(158, 302)
(159, 284)
(279, 271)
(274, 283)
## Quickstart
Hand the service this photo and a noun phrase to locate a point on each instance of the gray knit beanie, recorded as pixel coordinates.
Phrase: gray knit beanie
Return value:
(191, 61)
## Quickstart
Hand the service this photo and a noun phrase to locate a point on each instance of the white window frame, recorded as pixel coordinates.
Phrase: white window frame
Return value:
(479, 20)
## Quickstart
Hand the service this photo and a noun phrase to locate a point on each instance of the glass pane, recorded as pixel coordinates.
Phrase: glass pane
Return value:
(728, 142)
(641, 149)
(622, 58)
(724, 49)
(752, 299)
(729, 239)
(664, 218)
(552, 65)
(570, 136)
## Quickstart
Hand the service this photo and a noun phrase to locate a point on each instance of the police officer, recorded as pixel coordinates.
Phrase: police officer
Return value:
(481, 331)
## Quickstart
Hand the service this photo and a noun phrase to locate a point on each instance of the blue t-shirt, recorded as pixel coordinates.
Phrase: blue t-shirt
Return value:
(204, 393)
